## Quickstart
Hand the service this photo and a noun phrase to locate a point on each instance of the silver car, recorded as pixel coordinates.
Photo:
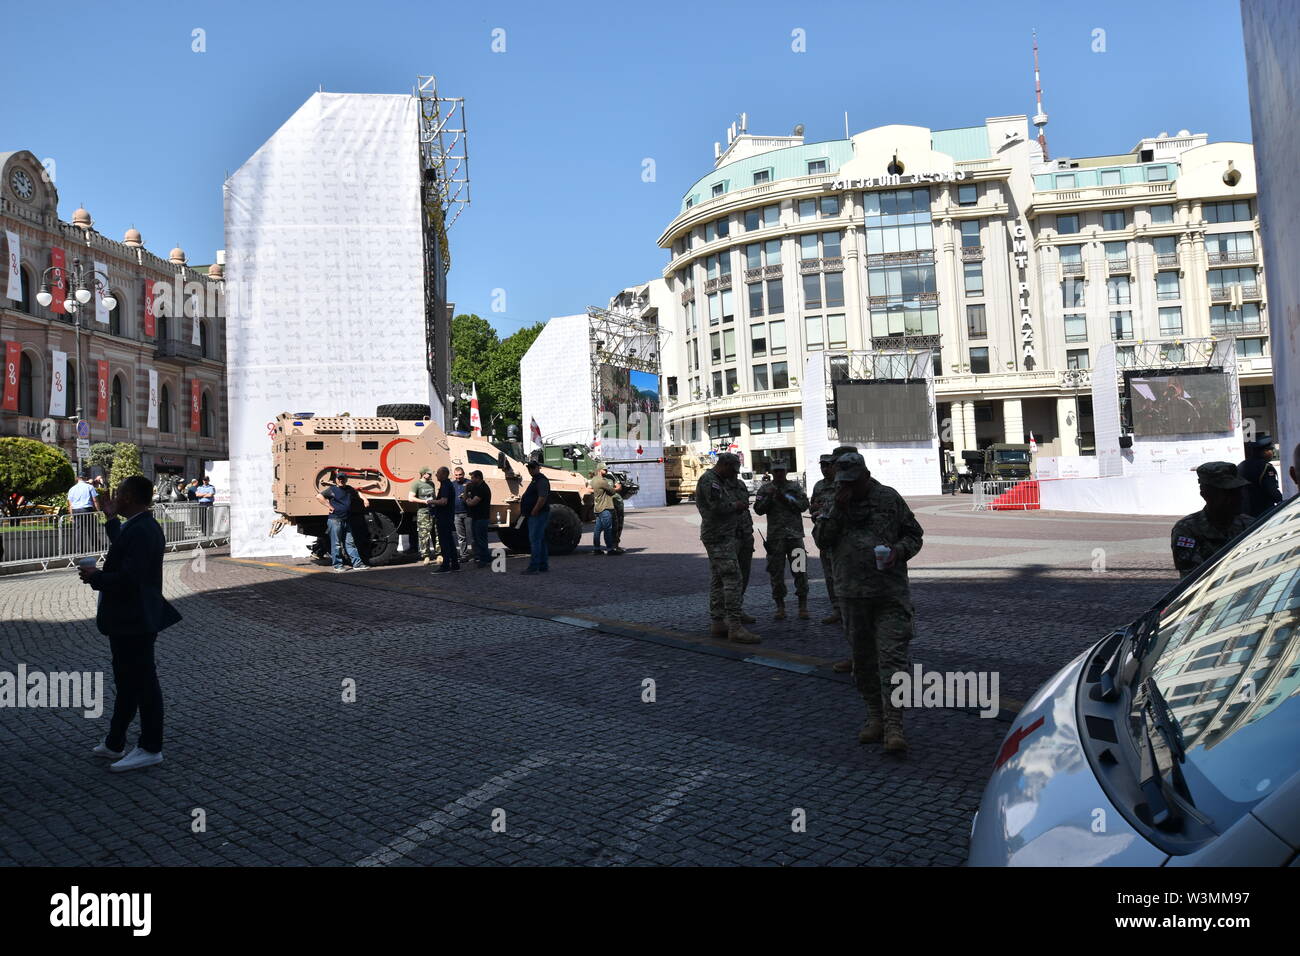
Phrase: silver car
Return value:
(1172, 742)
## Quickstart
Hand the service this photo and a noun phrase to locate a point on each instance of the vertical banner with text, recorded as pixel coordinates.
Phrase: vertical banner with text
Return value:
(153, 399)
(194, 404)
(58, 279)
(148, 308)
(58, 384)
(13, 370)
(101, 391)
(14, 286)
(101, 290)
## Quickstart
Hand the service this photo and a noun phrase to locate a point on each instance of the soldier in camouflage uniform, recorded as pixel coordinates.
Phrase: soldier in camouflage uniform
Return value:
(1195, 538)
(719, 509)
(424, 492)
(744, 541)
(820, 503)
(876, 602)
(784, 505)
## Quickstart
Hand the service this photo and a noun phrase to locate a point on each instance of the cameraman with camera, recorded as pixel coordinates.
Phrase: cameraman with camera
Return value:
(784, 504)
(604, 506)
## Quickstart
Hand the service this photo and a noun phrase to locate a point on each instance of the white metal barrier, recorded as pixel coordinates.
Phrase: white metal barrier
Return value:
(1006, 495)
(58, 540)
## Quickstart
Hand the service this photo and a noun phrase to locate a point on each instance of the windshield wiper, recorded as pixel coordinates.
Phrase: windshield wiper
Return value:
(1155, 718)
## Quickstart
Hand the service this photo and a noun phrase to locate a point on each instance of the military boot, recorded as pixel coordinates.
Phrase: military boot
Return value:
(833, 618)
(780, 611)
(737, 632)
(747, 618)
(717, 628)
(872, 732)
(895, 742)
(803, 609)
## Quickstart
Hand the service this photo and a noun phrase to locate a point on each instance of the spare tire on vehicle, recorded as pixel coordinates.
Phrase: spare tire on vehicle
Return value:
(563, 530)
(403, 412)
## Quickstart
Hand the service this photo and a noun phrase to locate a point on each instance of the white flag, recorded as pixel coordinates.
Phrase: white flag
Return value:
(14, 287)
(59, 385)
(153, 398)
(101, 290)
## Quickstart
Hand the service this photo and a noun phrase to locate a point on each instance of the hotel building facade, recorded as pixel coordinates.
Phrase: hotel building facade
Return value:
(109, 366)
(1013, 268)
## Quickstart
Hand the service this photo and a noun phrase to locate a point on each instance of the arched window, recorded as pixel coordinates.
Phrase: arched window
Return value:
(28, 302)
(164, 409)
(115, 314)
(205, 417)
(203, 340)
(70, 387)
(161, 327)
(117, 405)
(26, 387)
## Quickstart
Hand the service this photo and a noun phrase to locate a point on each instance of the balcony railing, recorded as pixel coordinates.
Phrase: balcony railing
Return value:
(718, 283)
(880, 342)
(972, 253)
(915, 257)
(1224, 293)
(688, 295)
(763, 272)
(1168, 259)
(824, 264)
(1238, 328)
(1118, 267)
(173, 349)
(1228, 258)
(1072, 268)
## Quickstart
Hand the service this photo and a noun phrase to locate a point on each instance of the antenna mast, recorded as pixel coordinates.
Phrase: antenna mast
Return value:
(1040, 118)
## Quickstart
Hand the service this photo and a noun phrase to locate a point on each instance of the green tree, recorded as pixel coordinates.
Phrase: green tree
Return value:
(473, 344)
(126, 464)
(503, 374)
(32, 469)
(101, 456)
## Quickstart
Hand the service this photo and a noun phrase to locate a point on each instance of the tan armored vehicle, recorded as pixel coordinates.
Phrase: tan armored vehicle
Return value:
(682, 468)
(382, 456)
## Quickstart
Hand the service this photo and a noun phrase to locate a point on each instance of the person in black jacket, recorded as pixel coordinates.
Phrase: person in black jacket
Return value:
(132, 610)
(1261, 491)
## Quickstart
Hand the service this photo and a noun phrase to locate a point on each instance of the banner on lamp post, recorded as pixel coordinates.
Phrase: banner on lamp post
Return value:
(101, 391)
(153, 399)
(149, 315)
(194, 404)
(13, 373)
(14, 287)
(100, 290)
(58, 384)
(58, 280)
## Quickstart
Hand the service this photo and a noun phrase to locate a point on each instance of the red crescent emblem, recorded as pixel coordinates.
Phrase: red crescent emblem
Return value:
(383, 459)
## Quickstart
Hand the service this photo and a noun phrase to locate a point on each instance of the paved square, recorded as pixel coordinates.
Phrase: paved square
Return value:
(486, 731)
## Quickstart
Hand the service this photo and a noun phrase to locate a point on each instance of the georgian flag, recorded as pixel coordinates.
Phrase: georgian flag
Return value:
(475, 420)
(535, 433)
(595, 446)
(1033, 445)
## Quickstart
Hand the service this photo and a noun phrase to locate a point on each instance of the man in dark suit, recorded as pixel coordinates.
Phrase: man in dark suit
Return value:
(132, 610)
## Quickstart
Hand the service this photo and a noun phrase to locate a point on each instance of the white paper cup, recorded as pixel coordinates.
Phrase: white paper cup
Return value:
(87, 563)
(882, 555)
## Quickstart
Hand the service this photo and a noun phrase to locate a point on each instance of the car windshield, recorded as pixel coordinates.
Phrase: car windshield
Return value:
(1226, 657)
(1011, 456)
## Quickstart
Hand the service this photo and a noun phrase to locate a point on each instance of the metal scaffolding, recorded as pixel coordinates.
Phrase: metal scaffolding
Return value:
(622, 340)
(877, 365)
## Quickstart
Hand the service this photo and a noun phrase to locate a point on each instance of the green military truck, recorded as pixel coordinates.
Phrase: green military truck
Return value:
(997, 462)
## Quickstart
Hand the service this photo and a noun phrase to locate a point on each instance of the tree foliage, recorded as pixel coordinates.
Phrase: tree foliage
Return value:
(32, 469)
(126, 464)
(483, 359)
(101, 456)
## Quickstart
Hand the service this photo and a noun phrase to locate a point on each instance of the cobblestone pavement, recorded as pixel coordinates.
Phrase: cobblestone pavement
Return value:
(474, 706)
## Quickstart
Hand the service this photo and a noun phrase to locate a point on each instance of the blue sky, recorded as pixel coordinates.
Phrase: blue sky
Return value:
(144, 130)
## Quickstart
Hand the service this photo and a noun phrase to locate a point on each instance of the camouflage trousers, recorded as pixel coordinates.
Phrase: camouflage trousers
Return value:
(782, 551)
(745, 558)
(424, 531)
(880, 630)
(725, 583)
(828, 568)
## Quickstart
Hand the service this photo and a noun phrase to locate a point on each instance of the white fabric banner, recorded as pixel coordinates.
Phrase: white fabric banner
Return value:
(14, 287)
(101, 290)
(197, 337)
(59, 385)
(153, 398)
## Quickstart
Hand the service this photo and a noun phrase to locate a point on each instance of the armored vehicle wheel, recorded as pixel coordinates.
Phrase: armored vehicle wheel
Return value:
(672, 498)
(563, 531)
(383, 538)
(403, 412)
(515, 539)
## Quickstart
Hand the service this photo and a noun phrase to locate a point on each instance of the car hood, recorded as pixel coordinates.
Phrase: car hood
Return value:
(1043, 806)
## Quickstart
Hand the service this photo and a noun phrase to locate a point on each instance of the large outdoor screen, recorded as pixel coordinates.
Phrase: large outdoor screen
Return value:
(1183, 404)
(629, 403)
(883, 411)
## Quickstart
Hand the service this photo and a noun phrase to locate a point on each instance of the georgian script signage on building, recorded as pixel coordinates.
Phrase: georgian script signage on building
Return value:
(1025, 322)
(910, 179)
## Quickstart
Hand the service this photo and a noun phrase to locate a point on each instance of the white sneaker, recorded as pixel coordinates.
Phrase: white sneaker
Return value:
(135, 760)
(102, 750)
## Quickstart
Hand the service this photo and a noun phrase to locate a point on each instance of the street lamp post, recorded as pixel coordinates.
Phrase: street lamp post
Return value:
(82, 285)
(1074, 378)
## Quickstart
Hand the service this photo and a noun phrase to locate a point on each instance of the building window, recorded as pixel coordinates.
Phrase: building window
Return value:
(203, 340)
(758, 340)
(830, 245)
(1174, 353)
(1111, 177)
(115, 314)
(26, 406)
(1076, 328)
(1121, 325)
(1072, 296)
(776, 337)
(1071, 259)
(1157, 174)
(72, 378)
(760, 378)
(812, 329)
(1125, 356)
(1223, 319)
(1162, 215)
(771, 423)
(1167, 285)
(780, 375)
(672, 386)
(1229, 246)
(762, 176)
(164, 409)
(1067, 224)
(807, 209)
(1118, 291)
(816, 166)
(1076, 358)
(1116, 253)
(1065, 181)
(775, 297)
(979, 361)
(970, 234)
(976, 322)
(1231, 211)
(1166, 249)
(974, 277)
(733, 385)
(1222, 280)
(725, 427)
(719, 189)
(717, 384)
(1171, 321)
(968, 195)
(26, 301)
(1250, 348)
(116, 410)
(1113, 220)
(836, 331)
(715, 349)
(729, 345)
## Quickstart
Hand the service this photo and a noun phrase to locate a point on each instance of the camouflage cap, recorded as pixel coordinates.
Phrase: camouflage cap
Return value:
(850, 467)
(1261, 441)
(780, 465)
(843, 450)
(728, 458)
(533, 463)
(426, 470)
(827, 459)
(1220, 474)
